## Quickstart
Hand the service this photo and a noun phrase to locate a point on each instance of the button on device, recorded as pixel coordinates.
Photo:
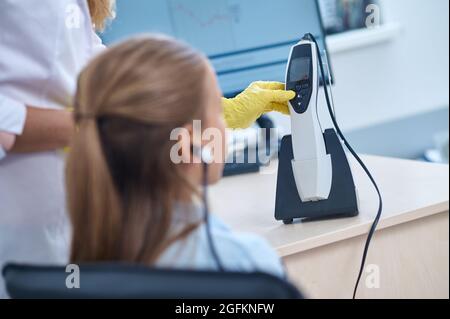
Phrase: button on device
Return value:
(304, 93)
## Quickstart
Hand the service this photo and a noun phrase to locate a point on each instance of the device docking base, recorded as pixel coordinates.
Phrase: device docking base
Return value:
(343, 200)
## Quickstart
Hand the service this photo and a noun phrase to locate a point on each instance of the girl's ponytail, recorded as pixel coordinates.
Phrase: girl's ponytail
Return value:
(89, 173)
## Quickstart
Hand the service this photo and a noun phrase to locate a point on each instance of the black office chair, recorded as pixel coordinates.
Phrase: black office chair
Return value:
(105, 281)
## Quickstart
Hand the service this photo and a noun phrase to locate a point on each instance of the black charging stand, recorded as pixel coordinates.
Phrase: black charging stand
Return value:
(343, 200)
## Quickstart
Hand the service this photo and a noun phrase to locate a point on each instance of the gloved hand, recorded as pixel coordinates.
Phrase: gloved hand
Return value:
(259, 98)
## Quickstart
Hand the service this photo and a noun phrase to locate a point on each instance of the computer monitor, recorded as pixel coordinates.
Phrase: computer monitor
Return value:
(246, 40)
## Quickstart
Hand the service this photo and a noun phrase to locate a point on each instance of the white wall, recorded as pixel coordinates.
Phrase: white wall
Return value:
(396, 79)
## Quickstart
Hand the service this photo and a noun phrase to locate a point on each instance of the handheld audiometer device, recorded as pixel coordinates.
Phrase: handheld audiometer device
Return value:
(311, 163)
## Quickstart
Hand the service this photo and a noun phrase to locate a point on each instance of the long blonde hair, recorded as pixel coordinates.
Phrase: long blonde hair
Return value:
(101, 11)
(121, 182)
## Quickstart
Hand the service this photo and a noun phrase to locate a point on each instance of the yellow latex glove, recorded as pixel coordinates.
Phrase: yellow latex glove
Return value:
(259, 98)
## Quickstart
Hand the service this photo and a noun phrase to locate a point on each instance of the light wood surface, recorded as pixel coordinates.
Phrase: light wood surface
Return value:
(411, 190)
(410, 247)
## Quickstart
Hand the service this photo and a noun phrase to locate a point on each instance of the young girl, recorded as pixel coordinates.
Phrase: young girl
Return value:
(128, 199)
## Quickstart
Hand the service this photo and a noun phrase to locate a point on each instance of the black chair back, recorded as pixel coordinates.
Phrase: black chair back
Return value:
(138, 282)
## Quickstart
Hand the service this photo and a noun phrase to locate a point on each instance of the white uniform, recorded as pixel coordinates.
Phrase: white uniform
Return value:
(43, 47)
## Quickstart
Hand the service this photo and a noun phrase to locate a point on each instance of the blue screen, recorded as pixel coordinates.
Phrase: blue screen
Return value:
(246, 40)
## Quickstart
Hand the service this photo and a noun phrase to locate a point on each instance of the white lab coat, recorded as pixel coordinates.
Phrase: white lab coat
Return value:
(43, 46)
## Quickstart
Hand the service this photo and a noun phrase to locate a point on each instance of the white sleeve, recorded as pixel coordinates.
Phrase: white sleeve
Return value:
(12, 115)
(97, 45)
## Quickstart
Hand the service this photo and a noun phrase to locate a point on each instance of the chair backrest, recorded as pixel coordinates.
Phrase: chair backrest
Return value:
(113, 281)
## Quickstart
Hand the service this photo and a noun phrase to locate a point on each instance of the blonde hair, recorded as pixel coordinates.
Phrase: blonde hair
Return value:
(101, 11)
(121, 182)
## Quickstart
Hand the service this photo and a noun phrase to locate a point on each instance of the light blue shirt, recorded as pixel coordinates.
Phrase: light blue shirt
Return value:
(237, 251)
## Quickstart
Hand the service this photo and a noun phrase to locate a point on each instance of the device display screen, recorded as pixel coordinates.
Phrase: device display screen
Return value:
(300, 69)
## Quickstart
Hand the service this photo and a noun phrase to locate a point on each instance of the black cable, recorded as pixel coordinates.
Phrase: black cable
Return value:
(212, 247)
(361, 163)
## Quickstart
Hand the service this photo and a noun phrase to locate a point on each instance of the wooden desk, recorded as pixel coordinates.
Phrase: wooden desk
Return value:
(410, 249)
